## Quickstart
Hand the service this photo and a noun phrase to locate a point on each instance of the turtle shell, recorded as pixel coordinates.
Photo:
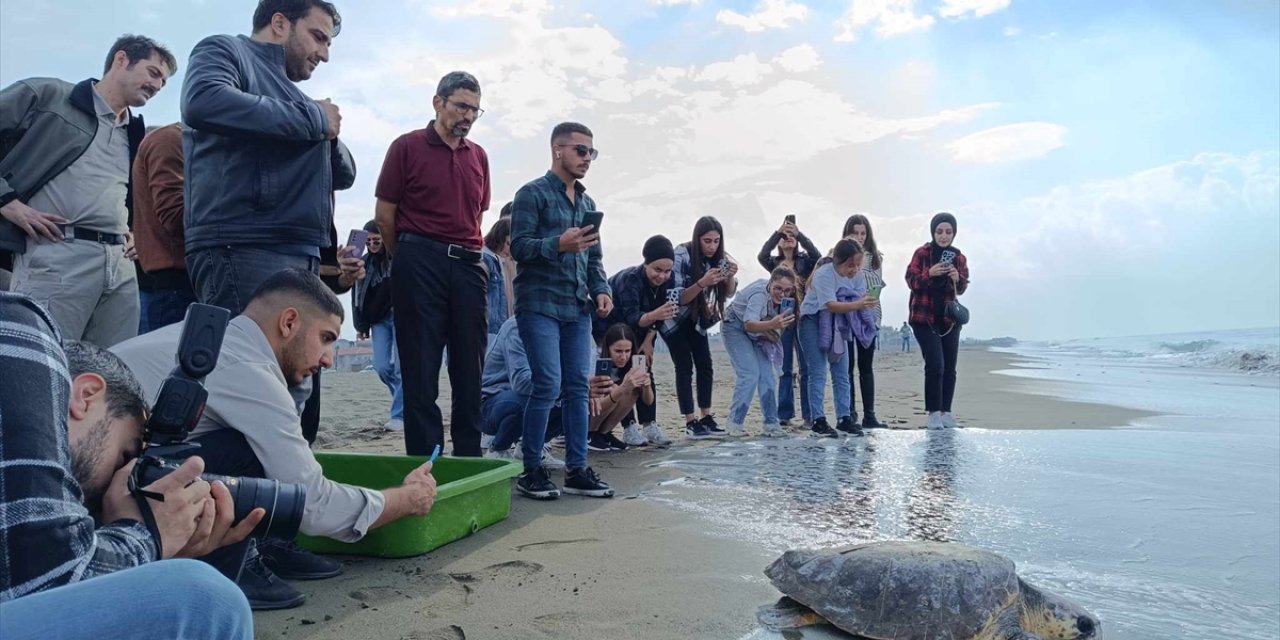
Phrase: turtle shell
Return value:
(901, 590)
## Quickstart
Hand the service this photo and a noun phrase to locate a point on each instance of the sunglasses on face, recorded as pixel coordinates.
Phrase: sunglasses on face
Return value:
(583, 150)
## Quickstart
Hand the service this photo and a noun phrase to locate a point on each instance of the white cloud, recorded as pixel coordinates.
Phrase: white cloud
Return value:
(1009, 142)
(1012, 32)
(799, 59)
(974, 8)
(745, 69)
(769, 14)
(672, 3)
(890, 18)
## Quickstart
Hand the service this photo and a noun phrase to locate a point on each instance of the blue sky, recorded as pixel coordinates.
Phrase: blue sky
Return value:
(1115, 166)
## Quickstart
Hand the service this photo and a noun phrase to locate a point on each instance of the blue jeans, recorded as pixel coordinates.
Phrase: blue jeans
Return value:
(386, 362)
(786, 383)
(163, 307)
(503, 418)
(752, 371)
(167, 599)
(818, 367)
(227, 277)
(560, 361)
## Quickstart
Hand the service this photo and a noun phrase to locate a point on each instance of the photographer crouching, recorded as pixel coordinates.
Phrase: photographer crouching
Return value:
(70, 425)
(251, 428)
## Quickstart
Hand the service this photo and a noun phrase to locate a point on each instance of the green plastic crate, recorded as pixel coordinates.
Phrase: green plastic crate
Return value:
(471, 494)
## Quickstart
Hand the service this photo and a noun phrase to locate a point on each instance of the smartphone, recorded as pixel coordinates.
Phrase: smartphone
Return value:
(724, 266)
(638, 362)
(788, 306)
(357, 238)
(673, 294)
(592, 218)
(948, 257)
(604, 367)
(791, 217)
(874, 291)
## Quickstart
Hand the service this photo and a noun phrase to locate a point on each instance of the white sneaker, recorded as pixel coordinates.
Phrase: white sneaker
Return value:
(394, 424)
(510, 453)
(949, 420)
(549, 461)
(558, 441)
(485, 441)
(736, 431)
(653, 433)
(632, 436)
(935, 420)
(774, 431)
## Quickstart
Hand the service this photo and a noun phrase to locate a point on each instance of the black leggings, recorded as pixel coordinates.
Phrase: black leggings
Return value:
(866, 377)
(940, 353)
(688, 349)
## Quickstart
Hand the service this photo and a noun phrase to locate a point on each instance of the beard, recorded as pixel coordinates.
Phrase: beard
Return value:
(86, 458)
(296, 63)
(295, 368)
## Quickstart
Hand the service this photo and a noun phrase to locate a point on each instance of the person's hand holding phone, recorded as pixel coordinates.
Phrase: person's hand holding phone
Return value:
(578, 239)
(782, 321)
(940, 269)
(637, 378)
(666, 312)
(789, 229)
(711, 278)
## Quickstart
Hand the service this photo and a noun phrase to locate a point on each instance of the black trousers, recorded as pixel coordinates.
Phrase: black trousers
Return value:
(439, 302)
(226, 452)
(940, 353)
(690, 349)
(861, 361)
(311, 411)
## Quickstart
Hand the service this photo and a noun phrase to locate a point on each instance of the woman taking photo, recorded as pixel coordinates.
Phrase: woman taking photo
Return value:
(752, 331)
(797, 253)
(858, 228)
(630, 385)
(707, 275)
(938, 272)
(838, 291)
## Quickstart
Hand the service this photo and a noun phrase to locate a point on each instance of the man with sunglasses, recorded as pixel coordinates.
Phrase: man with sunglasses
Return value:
(432, 193)
(561, 284)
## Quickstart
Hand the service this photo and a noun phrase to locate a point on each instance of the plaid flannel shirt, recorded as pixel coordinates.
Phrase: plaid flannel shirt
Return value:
(930, 294)
(560, 285)
(47, 537)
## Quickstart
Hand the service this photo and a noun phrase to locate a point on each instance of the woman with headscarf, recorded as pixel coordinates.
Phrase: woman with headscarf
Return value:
(937, 273)
(371, 314)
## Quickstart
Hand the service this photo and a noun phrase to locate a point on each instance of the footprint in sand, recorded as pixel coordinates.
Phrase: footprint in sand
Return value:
(451, 632)
(513, 570)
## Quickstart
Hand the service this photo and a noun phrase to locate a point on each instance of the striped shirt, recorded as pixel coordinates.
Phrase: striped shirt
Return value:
(47, 537)
(874, 278)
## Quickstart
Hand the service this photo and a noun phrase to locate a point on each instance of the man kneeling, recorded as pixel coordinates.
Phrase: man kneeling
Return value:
(251, 427)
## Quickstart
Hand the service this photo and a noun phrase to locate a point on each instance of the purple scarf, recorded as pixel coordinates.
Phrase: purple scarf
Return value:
(837, 330)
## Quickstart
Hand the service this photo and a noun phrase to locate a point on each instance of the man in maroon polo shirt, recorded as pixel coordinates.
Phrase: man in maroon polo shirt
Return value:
(432, 193)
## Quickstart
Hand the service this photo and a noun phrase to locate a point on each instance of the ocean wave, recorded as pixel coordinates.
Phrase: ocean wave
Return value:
(1191, 346)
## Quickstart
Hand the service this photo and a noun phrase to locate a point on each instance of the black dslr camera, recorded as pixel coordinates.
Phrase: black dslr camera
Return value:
(177, 410)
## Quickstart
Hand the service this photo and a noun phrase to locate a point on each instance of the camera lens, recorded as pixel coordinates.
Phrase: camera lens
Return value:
(284, 502)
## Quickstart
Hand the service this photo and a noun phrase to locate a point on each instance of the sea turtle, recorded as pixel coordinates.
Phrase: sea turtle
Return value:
(918, 591)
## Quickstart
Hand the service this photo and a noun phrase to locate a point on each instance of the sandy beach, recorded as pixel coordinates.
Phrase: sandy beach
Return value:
(629, 567)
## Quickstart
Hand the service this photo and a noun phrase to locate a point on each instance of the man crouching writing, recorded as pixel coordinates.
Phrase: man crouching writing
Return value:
(251, 428)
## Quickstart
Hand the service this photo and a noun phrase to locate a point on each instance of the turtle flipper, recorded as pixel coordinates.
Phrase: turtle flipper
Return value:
(788, 614)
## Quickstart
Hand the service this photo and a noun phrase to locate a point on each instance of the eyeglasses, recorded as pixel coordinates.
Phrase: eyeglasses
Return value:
(373, 241)
(464, 108)
(785, 292)
(583, 150)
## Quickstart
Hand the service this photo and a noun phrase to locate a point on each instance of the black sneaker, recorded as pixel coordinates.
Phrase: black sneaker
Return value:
(291, 562)
(597, 442)
(695, 430)
(585, 482)
(710, 423)
(614, 443)
(534, 483)
(823, 430)
(786, 424)
(847, 425)
(266, 591)
(869, 421)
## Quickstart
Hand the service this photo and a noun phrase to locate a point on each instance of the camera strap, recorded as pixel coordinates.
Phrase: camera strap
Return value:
(140, 495)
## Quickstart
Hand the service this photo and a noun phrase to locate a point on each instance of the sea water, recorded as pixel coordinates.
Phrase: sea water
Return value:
(1165, 528)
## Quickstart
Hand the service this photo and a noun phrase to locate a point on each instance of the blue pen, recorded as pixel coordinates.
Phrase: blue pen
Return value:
(435, 453)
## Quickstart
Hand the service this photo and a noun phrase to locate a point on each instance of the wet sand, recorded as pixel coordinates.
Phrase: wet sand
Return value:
(622, 568)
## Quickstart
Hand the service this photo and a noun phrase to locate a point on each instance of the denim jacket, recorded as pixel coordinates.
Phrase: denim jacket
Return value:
(497, 290)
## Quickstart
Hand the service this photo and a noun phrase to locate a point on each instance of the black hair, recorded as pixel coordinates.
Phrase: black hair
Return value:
(615, 333)
(844, 250)
(455, 80)
(138, 48)
(566, 129)
(498, 234)
(506, 210)
(124, 394)
(782, 272)
(870, 244)
(293, 10)
(300, 284)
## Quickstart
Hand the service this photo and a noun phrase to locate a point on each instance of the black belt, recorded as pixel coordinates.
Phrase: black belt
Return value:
(455, 251)
(76, 233)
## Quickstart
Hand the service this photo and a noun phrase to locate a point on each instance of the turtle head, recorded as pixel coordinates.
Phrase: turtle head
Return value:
(1054, 617)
